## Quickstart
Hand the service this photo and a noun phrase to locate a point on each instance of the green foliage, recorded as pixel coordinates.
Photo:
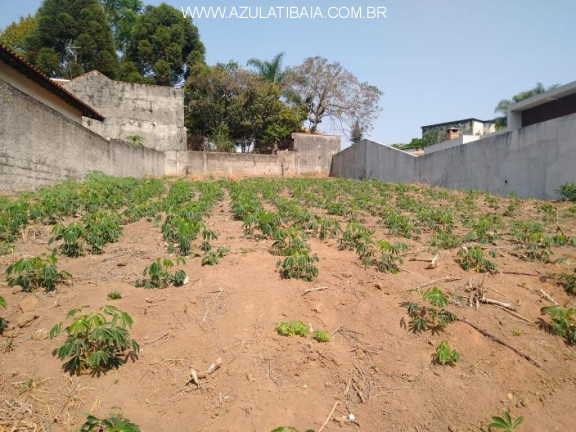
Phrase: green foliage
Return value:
(102, 228)
(163, 45)
(567, 191)
(445, 356)
(563, 322)
(435, 318)
(211, 257)
(322, 336)
(568, 282)
(390, 255)
(72, 235)
(114, 295)
(160, 276)
(114, 423)
(3, 322)
(72, 37)
(14, 36)
(444, 240)
(299, 265)
(506, 422)
(293, 328)
(36, 272)
(271, 71)
(135, 140)
(95, 343)
(473, 259)
(122, 15)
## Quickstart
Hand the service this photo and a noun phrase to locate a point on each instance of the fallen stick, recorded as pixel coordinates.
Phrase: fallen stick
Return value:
(498, 303)
(444, 279)
(521, 273)
(548, 297)
(162, 336)
(501, 342)
(329, 415)
(433, 263)
(314, 289)
(517, 315)
(359, 392)
(198, 376)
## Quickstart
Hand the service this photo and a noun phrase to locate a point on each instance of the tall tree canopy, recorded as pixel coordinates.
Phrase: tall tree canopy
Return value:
(14, 36)
(122, 15)
(72, 37)
(330, 91)
(502, 107)
(163, 45)
(269, 70)
(232, 105)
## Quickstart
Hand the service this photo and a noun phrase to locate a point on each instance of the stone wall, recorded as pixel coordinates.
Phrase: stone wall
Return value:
(155, 113)
(532, 161)
(39, 146)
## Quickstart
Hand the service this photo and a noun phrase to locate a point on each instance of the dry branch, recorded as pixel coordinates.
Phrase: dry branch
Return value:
(501, 342)
(548, 297)
(314, 289)
(198, 376)
(444, 279)
(498, 303)
(329, 415)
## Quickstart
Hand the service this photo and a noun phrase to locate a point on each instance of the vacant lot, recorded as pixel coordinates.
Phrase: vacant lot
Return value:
(387, 271)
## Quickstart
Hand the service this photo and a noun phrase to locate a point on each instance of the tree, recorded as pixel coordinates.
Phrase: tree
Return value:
(15, 34)
(227, 101)
(122, 15)
(70, 38)
(330, 91)
(163, 45)
(270, 70)
(502, 107)
(356, 133)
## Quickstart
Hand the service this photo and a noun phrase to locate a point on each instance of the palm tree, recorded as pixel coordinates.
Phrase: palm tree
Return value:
(270, 70)
(502, 107)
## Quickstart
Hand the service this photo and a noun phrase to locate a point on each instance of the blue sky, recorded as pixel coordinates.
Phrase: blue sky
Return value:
(435, 60)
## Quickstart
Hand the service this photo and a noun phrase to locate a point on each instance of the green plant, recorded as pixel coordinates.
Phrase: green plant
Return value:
(211, 257)
(473, 259)
(135, 140)
(72, 236)
(160, 276)
(293, 328)
(36, 272)
(95, 343)
(563, 322)
(436, 317)
(567, 191)
(568, 282)
(322, 336)
(299, 265)
(444, 355)
(114, 423)
(102, 228)
(3, 322)
(506, 422)
(114, 295)
(390, 255)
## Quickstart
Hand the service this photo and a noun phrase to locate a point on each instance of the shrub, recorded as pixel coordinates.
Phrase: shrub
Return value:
(567, 191)
(36, 272)
(95, 343)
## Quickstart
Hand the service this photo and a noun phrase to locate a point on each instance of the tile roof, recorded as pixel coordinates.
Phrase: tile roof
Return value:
(17, 62)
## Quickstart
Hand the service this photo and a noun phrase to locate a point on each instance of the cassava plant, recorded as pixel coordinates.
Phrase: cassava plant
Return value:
(114, 423)
(506, 422)
(445, 356)
(473, 259)
(299, 265)
(435, 317)
(563, 322)
(36, 272)
(96, 342)
(3, 322)
(160, 276)
(73, 236)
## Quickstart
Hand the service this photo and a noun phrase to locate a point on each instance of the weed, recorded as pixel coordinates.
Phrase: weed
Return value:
(293, 328)
(563, 322)
(36, 272)
(9, 344)
(95, 343)
(114, 423)
(517, 332)
(114, 295)
(322, 336)
(160, 276)
(445, 356)
(506, 422)
(473, 259)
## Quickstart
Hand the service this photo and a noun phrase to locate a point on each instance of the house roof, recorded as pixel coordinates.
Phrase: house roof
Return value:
(543, 98)
(14, 60)
(455, 122)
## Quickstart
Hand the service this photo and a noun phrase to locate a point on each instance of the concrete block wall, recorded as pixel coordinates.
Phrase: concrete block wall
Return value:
(155, 113)
(314, 152)
(532, 161)
(39, 146)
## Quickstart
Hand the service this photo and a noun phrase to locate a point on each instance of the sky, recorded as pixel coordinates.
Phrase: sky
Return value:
(434, 60)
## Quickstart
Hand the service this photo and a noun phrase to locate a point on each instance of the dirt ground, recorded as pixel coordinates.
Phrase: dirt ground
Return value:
(374, 370)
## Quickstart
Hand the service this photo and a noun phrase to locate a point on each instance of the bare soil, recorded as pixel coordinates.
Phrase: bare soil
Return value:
(374, 369)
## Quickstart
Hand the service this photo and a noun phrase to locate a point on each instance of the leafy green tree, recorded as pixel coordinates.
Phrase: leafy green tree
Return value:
(72, 37)
(15, 34)
(330, 91)
(122, 15)
(163, 45)
(228, 101)
(270, 70)
(502, 107)
(356, 133)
